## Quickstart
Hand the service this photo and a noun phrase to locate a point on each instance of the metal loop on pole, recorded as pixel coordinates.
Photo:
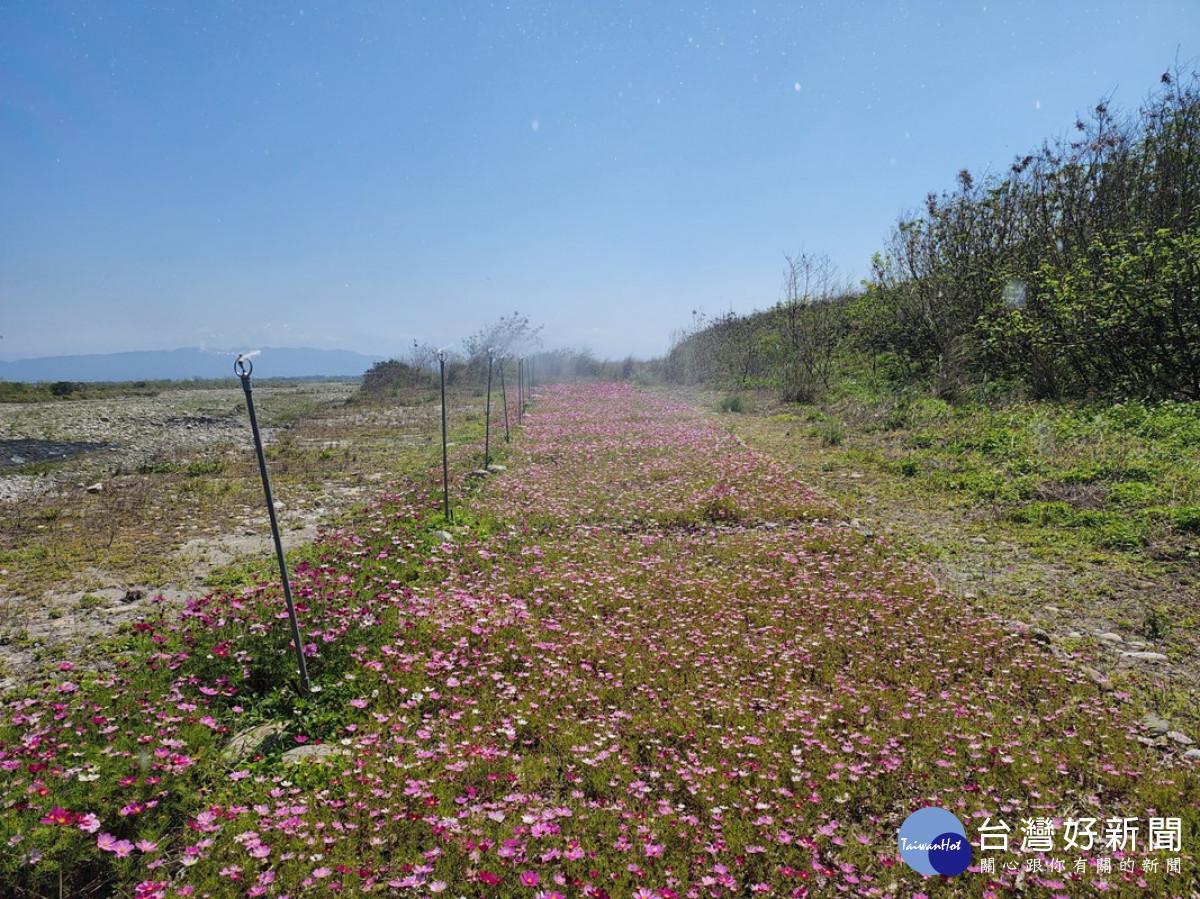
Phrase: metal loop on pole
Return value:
(243, 366)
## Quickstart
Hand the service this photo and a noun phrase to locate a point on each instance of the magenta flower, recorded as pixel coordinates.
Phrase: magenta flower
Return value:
(60, 816)
(530, 878)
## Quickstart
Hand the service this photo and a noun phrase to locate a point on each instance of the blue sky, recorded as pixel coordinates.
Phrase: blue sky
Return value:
(359, 175)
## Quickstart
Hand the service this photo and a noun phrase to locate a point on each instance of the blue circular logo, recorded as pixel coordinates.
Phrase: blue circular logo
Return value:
(933, 841)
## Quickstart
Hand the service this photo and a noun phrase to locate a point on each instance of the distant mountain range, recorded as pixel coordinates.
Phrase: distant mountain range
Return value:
(186, 364)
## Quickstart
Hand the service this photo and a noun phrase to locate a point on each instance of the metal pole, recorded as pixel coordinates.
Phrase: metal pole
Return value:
(243, 367)
(445, 461)
(504, 398)
(487, 418)
(520, 389)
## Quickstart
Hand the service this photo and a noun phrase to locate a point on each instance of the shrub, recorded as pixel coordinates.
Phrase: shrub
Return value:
(732, 403)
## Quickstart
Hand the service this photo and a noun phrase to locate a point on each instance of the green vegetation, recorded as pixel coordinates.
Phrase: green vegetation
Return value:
(732, 402)
(1071, 276)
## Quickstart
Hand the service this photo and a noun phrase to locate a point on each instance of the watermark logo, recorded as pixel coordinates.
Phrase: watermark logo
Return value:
(933, 841)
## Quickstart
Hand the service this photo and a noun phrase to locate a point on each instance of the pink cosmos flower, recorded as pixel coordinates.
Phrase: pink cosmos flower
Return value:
(530, 878)
(60, 816)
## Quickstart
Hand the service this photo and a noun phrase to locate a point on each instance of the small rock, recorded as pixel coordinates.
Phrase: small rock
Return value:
(251, 741)
(95, 488)
(1156, 725)
(1051, 609)
(1073, 635)
(979, 540)
(1110, 637)
(478, 473)
(494, 467)
(444, 536)
(1041, 636)
(1145, 656)
(1181, 739)
(1193, 754)
(133, 595)
(1097, 678)
(315, 752)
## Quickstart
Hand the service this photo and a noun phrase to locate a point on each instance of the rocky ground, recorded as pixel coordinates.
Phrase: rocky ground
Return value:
(108, 507)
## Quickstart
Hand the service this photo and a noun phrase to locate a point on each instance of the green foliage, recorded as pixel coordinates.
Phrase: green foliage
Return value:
(832, 434)
(732, 403)
(390, 377)
(1187, 519)
(205, 466)
(1133, 495)
(1157, 624)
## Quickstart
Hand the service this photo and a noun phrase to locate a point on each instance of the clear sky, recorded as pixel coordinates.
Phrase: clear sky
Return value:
(359, 174)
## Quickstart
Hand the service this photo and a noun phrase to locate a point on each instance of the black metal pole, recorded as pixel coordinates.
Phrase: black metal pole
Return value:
(487, 418)
(520, 389)
(243, 367)
(445, 460)
(504, 399)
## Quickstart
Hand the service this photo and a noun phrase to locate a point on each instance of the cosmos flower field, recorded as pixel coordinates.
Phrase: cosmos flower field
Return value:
(652, 664)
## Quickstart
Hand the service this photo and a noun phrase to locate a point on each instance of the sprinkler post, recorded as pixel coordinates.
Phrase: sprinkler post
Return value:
(520, 389)
(243, 367)
(487, 416)
(441, 356)
(504, 396)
